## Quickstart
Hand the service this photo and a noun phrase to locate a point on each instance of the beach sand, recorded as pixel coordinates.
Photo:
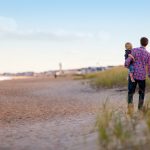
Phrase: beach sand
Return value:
(49, 114)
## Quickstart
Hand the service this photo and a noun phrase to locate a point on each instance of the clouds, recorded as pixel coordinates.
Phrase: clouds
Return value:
(46, 35)
(7, 24)
(58, 35)
(10, 30)
(39, 48)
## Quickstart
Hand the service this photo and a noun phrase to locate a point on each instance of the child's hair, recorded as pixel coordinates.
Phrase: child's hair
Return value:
(128, 46)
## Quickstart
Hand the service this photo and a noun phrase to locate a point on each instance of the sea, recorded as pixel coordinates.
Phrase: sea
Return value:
(2, 78)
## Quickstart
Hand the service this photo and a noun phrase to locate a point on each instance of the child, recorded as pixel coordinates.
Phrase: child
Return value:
(128, 47)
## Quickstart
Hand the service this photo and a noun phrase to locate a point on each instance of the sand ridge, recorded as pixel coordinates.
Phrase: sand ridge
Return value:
(48, 114)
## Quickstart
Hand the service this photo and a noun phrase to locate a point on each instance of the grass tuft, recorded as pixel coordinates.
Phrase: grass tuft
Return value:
(118, 130)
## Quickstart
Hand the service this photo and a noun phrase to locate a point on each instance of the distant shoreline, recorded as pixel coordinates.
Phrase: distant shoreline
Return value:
(4, 78)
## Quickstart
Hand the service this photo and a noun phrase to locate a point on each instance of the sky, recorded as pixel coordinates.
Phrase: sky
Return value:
(35, 35)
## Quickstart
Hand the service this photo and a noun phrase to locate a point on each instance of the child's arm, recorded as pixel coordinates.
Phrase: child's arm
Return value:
(131, 57)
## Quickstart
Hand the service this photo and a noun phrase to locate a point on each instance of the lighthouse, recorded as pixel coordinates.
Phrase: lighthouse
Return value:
(60, 68)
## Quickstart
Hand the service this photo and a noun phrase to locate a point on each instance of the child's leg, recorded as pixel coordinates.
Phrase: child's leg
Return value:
(131, 70)
(131, 76)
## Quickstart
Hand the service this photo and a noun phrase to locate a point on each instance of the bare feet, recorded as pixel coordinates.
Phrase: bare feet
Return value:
(132, 79)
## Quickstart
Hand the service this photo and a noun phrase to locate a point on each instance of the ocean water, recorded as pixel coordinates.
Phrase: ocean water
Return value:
(2, 78)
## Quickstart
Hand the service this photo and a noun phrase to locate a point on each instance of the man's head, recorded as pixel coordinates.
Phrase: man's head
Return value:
(144, 41)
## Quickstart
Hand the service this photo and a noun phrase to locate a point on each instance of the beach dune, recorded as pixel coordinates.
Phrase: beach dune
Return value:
(49, 114)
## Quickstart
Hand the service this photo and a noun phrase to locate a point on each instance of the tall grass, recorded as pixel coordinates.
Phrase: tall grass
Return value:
(118, 130)
(115, 77)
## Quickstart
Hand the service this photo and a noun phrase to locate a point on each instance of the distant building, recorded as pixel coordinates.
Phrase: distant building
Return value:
(25, 74)
(60, 72)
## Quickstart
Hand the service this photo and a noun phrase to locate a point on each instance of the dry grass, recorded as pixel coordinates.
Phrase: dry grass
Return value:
(115, 77)
(118, 130)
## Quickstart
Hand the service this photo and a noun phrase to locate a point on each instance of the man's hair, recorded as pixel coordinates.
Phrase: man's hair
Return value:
(144, 41)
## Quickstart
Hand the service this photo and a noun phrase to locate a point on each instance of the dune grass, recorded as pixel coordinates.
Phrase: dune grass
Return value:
(118, 130)
(115, 77)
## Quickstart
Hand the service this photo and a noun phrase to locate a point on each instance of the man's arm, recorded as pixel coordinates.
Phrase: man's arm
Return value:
(148, 65)
(127, 62)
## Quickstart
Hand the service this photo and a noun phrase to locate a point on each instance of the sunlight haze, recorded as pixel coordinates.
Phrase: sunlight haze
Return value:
(37, 35)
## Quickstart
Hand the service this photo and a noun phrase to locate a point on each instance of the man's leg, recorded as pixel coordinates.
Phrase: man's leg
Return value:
(142, 85)
(131, 90)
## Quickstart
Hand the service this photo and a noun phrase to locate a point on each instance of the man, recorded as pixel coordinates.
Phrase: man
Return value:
(142, 59)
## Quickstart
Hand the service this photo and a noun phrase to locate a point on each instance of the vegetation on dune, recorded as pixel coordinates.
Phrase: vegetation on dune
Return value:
(115, 77)
(118, 130)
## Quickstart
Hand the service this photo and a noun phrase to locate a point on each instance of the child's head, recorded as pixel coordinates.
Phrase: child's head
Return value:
(128, 46)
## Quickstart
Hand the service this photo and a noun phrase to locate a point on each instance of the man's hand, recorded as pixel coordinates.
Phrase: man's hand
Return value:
(131, 57)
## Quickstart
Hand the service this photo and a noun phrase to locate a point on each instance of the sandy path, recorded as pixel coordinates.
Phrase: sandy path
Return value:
(50, 114)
